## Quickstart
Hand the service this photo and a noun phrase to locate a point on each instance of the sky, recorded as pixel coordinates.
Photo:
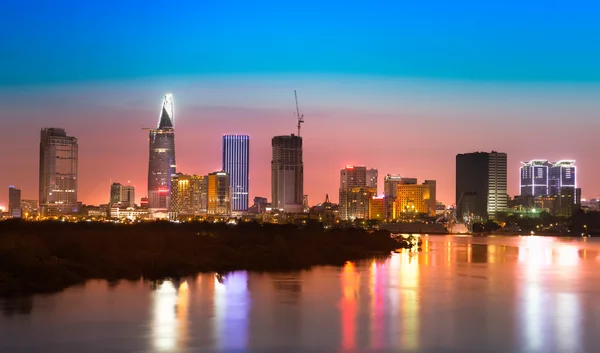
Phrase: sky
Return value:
(401, 86)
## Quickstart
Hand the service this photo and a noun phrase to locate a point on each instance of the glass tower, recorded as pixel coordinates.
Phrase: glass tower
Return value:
(161, 167)
(58, 172)
(236, 156)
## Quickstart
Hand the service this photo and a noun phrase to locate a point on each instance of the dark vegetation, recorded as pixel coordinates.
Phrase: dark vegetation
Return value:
(49, 256)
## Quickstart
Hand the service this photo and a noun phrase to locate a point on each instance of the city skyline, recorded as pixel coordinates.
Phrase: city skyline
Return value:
(373, 94)
(99, 199)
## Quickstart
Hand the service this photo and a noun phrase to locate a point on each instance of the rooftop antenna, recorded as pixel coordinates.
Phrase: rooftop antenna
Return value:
(300, 117)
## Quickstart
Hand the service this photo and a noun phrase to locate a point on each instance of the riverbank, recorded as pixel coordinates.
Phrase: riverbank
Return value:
(37, 257)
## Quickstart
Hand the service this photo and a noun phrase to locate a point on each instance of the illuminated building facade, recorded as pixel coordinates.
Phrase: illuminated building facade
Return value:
(122, 195)
(481, 185)
(29, 208)
(287, 174)
(358, 185)
(390, 186)
(236, 157)
(534, 177)
(540, 177)
(355, 203)
(412, 199)
(219, 194)
(14, 202)
(161, 166)
(189, 195)
(562, 177)
(58, 172)
(377, 208)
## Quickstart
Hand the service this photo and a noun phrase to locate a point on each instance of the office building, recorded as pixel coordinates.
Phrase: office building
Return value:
(58, 172)
(534, 178)
(354, 202)
(357, 187)
(372, 175)
(415, 199)
(377, 208)
(540, 177)
(122, 196)
(390, 186)
(189, 195)
(287, 174)
(236, 157)
(161, 166)
(481, 186)
(562, 177)
(219, 196)
(14, 202)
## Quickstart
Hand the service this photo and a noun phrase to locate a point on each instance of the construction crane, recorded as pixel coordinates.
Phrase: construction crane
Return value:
(300, 117)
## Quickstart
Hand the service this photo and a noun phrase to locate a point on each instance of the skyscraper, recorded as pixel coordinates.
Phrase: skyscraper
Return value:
(219, 194)
(562, 175)
(161, 166)
(287, 174)
(481, 187)
(540, 177)
(534, 177)
(58, 172)
(14, 201)
(358, 185)
(236, 157)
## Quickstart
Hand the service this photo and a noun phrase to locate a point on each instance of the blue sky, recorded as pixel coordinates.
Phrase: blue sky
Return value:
(519, 41)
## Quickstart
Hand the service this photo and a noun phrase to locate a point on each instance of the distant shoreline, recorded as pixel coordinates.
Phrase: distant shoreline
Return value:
(43, 257)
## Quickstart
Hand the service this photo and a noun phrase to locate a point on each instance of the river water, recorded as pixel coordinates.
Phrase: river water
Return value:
(459, 294)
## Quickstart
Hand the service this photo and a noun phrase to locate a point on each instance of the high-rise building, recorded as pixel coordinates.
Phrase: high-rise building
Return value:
(287, 174)
(14, 202)
(58, 172)
(481, 186)
(372, 176)
(412, 199)
(377, 208)
(188, 195)
(390, 186)
(236, 157)
(122, 196)
(219, 194)
(161, 166)
(357, 187)
(540, 177)
(534, 177)
(562, 175)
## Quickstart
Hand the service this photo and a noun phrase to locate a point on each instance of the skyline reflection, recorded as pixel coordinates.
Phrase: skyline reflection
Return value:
(459, 294)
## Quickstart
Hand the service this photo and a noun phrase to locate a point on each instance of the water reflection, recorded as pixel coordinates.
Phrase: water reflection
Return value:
(409, 301)
(517, 294)
(17, 306)
(170, 322)
(232, 305)
(349, 306)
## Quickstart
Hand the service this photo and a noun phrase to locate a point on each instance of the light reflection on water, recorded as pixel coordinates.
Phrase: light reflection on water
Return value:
(528, 294)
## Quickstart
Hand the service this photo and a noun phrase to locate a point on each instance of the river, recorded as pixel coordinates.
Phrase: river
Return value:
(459, 294)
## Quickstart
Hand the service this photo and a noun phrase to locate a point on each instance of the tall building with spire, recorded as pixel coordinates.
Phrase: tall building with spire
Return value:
(59, 155)
(161, 166)
(236, 157)
(287, 174)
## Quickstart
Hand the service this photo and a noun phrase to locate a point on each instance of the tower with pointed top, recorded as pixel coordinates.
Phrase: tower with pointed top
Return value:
(161, 166)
